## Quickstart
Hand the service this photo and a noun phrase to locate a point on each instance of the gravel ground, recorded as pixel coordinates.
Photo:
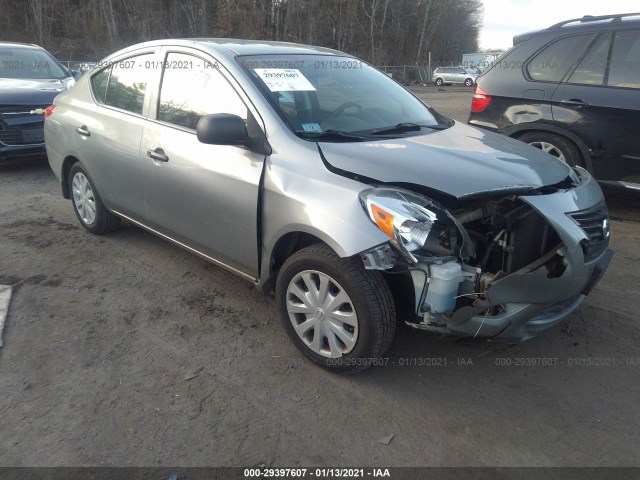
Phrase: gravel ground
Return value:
(125, 350)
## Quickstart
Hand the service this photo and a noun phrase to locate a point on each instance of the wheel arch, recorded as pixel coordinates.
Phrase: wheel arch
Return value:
(67, 163)
(288, 244)
(516, 131)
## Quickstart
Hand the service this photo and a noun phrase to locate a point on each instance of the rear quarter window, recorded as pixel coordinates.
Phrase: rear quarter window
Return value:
(99, 84)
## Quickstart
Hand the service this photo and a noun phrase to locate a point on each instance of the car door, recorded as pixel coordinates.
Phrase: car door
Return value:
(109, 130)
(459, 75)
(202, 196)
(600, 103)
(447, 75)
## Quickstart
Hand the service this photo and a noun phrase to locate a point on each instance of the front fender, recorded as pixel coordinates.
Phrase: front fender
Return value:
(324, 205)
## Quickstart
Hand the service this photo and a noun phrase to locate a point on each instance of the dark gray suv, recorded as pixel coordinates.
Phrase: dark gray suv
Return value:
(572, 90)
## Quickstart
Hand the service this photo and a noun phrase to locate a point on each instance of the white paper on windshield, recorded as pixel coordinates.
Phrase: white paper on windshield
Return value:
(284, 80)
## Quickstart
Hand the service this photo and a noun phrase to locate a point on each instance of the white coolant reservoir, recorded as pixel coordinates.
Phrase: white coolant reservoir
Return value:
(443, 286)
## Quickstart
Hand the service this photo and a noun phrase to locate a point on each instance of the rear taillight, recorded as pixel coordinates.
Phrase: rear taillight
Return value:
(49, 110)
(481, 100)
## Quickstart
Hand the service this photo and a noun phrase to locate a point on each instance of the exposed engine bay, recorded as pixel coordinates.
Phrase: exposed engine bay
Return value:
(455, 257)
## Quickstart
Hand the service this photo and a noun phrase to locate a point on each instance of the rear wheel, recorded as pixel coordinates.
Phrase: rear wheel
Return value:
(338, 314)
(90, 210)
(556, 145)
(468, 82)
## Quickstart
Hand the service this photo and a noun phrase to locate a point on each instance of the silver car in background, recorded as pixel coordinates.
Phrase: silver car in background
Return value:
(314, 175)
(454, 76)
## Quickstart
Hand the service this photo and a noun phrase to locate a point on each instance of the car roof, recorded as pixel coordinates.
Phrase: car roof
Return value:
(232, 47)
(590, 22)
(20, 45)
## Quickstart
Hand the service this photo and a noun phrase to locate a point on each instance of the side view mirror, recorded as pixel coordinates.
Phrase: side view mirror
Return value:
(222, 129)
(76, 74)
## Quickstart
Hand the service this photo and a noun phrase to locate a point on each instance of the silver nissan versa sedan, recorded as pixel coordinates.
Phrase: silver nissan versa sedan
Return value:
(312, 174)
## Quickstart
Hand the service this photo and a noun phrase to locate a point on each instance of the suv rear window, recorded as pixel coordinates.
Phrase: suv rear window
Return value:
(552, 63)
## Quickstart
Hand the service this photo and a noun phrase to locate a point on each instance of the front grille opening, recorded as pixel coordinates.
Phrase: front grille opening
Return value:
(594, 222)
(511, 238)
(24, 132)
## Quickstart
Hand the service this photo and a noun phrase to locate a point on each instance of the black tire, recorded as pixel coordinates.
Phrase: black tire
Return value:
(369, 296)
(103, 221)
(439, 82)
(562, 146)
(468, 82)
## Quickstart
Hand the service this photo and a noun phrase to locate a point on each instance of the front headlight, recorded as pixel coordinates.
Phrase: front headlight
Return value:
(416, 225)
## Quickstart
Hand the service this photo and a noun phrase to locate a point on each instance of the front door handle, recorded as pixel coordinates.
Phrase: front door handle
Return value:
(83, 130)
(575, 102)
(157, 154)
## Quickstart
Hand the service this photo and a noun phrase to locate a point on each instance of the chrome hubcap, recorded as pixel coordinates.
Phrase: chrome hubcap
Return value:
(322, 314)
(83, 198)
(549, 148)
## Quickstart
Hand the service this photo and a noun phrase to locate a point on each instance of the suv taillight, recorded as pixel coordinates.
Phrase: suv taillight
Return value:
(481, 100)
(49, 110)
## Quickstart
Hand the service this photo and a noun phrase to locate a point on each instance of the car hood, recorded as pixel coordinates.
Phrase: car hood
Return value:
(29, 92)
(460, 161)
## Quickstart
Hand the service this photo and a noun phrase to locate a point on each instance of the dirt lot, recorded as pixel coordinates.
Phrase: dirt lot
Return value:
(126, 350)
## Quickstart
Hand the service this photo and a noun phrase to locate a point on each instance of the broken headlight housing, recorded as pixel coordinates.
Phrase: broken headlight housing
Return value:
(417, 226)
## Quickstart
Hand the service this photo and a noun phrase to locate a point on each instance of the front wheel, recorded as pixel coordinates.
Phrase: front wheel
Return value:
(468, 82)
(439, 82)
(338, 314)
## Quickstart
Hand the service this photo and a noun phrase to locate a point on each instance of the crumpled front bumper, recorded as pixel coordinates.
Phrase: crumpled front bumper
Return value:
(531, 301)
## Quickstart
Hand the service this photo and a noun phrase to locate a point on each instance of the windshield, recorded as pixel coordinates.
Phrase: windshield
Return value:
(336, 98)
(28, 63)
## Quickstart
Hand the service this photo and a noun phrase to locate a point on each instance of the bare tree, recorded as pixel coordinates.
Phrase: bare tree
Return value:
(379, 31)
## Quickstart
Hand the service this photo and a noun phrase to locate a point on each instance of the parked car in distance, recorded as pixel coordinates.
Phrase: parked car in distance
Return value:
(314, 175)
(572, 90)
(30, 78)
(454, 75)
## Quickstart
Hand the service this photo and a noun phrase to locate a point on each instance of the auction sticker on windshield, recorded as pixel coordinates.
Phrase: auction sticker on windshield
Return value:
(284, 80)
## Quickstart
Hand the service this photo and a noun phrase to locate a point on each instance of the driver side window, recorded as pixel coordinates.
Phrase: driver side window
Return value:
(193, 87)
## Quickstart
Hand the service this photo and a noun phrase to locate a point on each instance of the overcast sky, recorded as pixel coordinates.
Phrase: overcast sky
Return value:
(505, 18)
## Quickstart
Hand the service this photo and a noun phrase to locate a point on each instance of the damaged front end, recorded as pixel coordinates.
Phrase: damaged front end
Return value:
(493, 266)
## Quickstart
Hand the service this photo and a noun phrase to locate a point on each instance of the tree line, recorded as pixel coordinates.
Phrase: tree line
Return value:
(383, 32)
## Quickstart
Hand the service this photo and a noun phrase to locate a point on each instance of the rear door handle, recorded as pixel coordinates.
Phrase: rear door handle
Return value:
(575, 101)
(157, 154)
(83, 130)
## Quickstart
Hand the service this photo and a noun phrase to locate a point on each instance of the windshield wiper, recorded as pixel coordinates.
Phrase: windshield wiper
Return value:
(332, 135)
(406, 127)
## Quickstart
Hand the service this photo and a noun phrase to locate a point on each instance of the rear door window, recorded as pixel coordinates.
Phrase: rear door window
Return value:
(552, 63)
(624, 70)
(591, 69)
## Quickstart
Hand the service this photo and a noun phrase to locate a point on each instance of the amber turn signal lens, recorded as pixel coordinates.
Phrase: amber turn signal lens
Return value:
(384, 220)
